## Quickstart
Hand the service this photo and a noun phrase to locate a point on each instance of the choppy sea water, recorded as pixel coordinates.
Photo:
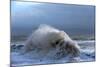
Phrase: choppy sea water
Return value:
(33, 58)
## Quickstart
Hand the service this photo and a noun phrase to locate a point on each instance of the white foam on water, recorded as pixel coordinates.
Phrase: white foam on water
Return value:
(35, 57)
(38, 56)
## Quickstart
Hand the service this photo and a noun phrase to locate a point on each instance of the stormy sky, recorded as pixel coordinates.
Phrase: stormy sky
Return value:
(73, 19)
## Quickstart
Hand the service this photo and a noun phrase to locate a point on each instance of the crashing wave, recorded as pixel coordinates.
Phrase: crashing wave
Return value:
(48, 45)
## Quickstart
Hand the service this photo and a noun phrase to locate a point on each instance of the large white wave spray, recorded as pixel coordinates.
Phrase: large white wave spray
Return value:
(46, 38)
(47, 45)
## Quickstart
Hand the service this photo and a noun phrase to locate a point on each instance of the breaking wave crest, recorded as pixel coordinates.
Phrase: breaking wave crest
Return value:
(36, 56)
